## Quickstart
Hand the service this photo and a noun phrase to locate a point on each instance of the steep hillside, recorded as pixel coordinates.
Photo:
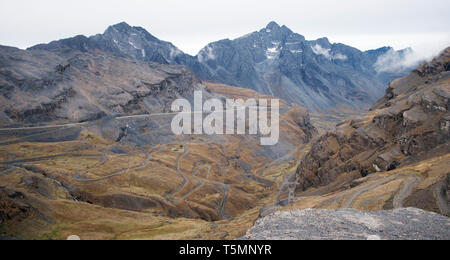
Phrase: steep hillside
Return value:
(121, 40)
(400, 150)
(90, 132)
(41, 86)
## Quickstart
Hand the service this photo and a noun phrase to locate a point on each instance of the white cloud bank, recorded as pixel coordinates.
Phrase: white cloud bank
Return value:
(206, 54)
(394, 61)
(319, 50)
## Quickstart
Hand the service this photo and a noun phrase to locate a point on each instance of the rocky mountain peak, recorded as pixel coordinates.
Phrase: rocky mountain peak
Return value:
(324, 42)
(121, 27)
(123, 40)
(123, 30)
(277, 32)
(273, 25)
(279, 62)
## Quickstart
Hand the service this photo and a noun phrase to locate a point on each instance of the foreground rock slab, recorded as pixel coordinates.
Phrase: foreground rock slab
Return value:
(350, 224)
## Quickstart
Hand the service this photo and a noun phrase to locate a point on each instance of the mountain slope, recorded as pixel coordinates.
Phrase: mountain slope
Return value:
(400, 149)
(92, 130)
(123, 40)
(40, 86)
(315, 74)
(120, 40)
(279, 62)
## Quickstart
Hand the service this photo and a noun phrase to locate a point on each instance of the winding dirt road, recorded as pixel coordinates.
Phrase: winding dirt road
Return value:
(406, 190)
(116, 173)
(43, 127)
(117, 118)
(103, 159)
(348, 203)
(202, 183)
(226, 189)
(184, 176)
(35, 159)
(441, 196)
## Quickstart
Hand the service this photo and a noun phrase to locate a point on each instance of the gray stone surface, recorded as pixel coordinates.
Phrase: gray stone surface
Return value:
(350, 224)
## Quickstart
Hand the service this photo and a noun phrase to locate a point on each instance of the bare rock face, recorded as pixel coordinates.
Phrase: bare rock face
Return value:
(121, 40)
(350, 224)
(39, 86)
(315, 74)
(436, 66)
(410, 124)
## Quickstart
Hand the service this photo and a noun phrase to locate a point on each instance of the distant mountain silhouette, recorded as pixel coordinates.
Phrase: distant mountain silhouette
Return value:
(315, 74)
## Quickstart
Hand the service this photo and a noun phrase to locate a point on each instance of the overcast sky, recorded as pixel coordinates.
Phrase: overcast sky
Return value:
(191, 24)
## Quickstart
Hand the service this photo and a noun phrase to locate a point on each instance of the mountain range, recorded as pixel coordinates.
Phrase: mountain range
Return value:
(276, 61)
(85, 128)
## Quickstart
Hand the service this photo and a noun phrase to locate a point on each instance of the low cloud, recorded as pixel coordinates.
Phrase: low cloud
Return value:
(319, 50)
(206, 54)
(398, 61)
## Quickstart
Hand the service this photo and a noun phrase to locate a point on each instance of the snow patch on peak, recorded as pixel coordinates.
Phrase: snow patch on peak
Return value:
(143, 54)
(272, 53)
(174, 52)
(293, 43)
(319, 50)
(340, 56)
(132, 44)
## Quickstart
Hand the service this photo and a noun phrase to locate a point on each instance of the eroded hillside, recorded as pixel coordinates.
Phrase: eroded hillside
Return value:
(87, 149)
(394, 156)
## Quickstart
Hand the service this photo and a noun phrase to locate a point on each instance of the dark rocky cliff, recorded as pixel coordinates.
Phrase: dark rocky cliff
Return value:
(409, 124)
(39, 86)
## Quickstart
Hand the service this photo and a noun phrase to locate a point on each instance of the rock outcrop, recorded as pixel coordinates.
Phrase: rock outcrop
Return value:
(408, 125)
(40, 86)
(12, 206)
(350, 224)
